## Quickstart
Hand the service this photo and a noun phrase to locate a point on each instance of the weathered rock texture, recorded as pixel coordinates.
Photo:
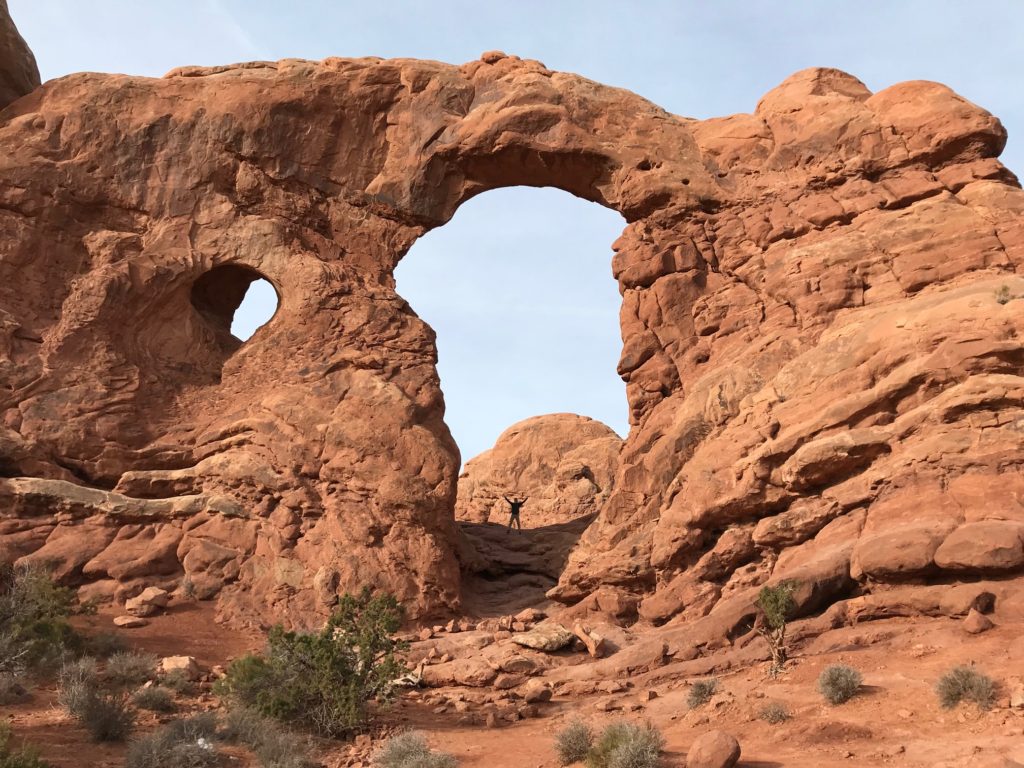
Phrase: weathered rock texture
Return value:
(18, 72)
(565, 464)
(823, 375)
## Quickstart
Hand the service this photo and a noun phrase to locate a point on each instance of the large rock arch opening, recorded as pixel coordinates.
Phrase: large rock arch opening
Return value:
(770, 260)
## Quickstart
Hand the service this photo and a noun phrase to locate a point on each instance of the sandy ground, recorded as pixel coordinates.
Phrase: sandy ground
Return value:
(895, 720)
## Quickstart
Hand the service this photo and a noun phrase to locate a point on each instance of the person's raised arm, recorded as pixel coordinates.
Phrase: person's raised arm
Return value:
(506, 498)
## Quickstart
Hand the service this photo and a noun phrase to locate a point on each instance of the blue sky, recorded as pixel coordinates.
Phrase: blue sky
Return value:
(518, 285)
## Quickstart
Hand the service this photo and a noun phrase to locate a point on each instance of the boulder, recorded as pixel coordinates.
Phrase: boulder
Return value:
(148, 602)
(548, 637)
(535, 691)
(976, 622)
(129, 622)
(714, 749)
(181, 665)
(988, 545)
(563, 463)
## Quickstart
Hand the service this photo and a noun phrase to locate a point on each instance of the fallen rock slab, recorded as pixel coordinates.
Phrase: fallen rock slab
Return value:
(151, 600)
(545, 637)
(130, 622)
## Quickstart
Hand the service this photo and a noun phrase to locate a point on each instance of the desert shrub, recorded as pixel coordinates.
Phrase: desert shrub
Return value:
(838, 683)
(155, 698)
(574, 742)
(11, 689)
(626, 745)
(273, 746)
(34, 619)
(104, 645)
(410, 750)
(1003, 295)
(775, 604)
(184, 743)
(77, 682)
(701, 692)
(107, 716)
(278, 748)
(965, 684)
(128, 669)
(774, 713)
(324, 680)
(178, 682)
(25, 757)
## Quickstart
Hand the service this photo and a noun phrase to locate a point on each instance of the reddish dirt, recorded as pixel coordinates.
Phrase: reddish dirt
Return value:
(894, 720)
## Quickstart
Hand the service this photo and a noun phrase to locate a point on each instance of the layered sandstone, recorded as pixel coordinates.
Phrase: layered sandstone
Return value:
(563, 463)
(822, 342)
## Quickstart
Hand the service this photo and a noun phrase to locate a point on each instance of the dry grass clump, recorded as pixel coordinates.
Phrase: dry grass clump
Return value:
(573, 742)
(839, 683)
(627, 745)
(701, 692)
(410, 750)
(184, 743)
(129, 669)
(774, 713)
(965, 684)
(155, 698)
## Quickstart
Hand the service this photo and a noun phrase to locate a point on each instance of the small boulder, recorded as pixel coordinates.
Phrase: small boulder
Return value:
(130, 622)
(185, 665)
(977, 622)
(151, 600)
(714, 749)
(535, 692)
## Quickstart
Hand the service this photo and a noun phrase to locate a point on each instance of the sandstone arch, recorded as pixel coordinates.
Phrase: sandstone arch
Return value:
(316, 458)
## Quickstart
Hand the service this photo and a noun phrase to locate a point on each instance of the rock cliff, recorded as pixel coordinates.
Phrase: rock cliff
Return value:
(822, 331)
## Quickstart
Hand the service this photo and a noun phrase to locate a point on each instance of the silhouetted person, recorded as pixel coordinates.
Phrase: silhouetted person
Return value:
(516, 505)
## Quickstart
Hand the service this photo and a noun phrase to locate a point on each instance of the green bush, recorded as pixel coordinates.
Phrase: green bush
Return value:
(324, 680)
(129, 669)
(574, 742)
(965, 684)
(626, 745)
(701, 692)
(410, 750)
(774, 713)
(839, 683)
(26, 757)
(776, 604)
(181, 744)
(34, 628)
(155, 698)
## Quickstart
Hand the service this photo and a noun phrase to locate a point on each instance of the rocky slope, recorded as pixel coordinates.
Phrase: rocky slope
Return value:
(565, 464)
(822, 342)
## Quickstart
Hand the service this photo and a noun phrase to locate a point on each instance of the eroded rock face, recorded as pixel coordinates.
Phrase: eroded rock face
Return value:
(819, 319)
(18, 71)
(563, 463)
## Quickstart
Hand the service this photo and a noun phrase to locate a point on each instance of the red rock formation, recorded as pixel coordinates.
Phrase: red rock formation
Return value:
(564, 463)
(817, 352)
(18, 72)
